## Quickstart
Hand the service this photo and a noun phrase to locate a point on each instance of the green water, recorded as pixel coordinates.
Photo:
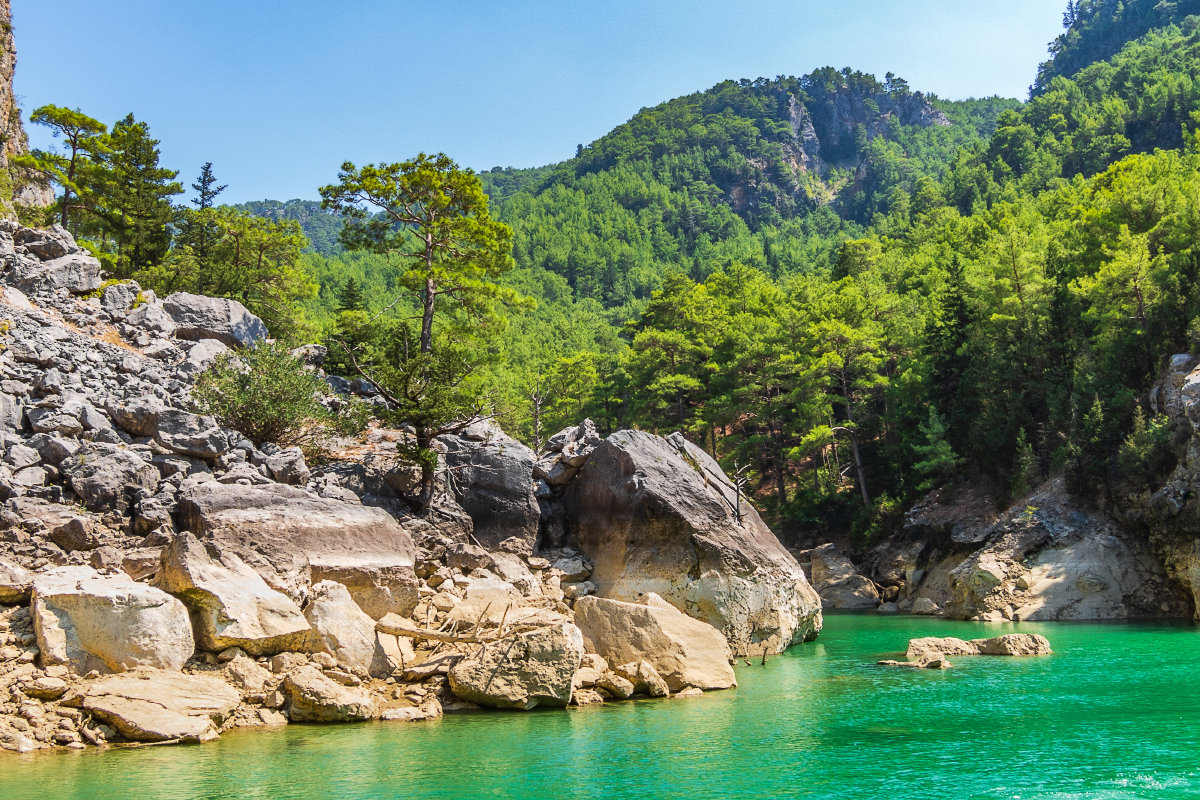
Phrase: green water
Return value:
(1115, 713)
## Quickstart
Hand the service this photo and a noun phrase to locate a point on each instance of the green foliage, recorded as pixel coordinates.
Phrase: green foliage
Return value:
(268, 395)
(1145, 455)
(938, 460)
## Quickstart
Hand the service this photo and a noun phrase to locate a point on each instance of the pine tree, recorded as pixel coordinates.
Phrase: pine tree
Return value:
(204, 187)
(351, 297)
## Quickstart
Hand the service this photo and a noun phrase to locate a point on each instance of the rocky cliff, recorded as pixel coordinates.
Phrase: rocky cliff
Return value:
(163, 579)
(15, 185)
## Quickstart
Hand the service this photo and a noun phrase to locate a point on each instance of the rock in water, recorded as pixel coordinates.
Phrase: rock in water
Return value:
(659, 515)
(838, 581)
(232, 606)
(154, 706)
(682, 650)
(312, 697)
(1011, 644)
(521, 671)
(292, 538)
(227, 321)
(109, 623)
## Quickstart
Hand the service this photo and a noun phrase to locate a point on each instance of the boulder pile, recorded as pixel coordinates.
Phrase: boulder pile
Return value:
(163, 579)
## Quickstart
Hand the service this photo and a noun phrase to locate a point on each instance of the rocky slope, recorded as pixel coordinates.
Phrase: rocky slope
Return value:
(163, 579)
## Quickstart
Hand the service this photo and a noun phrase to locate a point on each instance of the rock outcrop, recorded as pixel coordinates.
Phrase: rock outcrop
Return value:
(522, 672)
(197, 317)
(838, 581)
(683, 651)
(1011, 644)
(658, 515)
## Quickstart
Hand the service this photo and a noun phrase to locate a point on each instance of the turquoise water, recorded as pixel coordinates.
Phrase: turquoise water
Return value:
(1115, 713)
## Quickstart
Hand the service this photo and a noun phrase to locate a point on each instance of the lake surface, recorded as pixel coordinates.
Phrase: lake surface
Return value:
(1115, 713)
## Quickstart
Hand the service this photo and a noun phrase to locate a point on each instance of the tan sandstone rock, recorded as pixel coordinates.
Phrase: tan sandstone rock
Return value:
(521, 671)
(155, 706)
(1012, 644)
(682, 650)
(659, 515)
(348, 633)
(109, 623)
(312, 697)
(231, 605)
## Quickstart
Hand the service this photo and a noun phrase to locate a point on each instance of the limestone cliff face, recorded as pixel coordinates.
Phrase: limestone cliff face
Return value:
(14, 187)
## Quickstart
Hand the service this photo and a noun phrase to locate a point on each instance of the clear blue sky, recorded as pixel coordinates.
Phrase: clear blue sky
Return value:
(277, 94)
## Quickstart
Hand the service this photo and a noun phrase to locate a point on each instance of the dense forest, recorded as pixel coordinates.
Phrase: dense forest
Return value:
(852, 290)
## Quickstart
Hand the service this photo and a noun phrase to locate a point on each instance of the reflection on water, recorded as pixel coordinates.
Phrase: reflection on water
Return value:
(1113, 714)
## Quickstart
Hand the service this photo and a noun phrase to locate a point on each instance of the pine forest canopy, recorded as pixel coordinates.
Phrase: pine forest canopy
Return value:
(859, 290)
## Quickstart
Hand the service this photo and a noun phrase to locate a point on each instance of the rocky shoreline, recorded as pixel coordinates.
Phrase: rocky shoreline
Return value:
(162, 579)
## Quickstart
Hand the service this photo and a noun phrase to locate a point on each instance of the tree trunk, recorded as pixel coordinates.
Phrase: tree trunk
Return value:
(428, 460)
(858, 465)
(428, 299)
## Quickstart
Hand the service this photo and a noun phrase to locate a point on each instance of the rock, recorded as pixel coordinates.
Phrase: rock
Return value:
(615, 686)
(521, 671)
(151, 317)
(927, 661)
(138, 416)
(658, 516)
(287, 466)
(89, 621)
(245, 673)
(312, 697)
(682, 650)
(105, 476)
(191, 434)
(1012, 644)
(644, 677)
(156, 706)
(591, 669)
(838, 581)
(293, 537)
(119, 297)
(347, 632)
(46, 244)
(228, 321)
(78, 273)
(201, 356)
(231, 605)
(45, 688)
(16, 583)
(493, 482)
(923, 605)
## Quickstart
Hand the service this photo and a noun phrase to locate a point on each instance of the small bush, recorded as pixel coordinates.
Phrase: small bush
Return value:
(267, 395)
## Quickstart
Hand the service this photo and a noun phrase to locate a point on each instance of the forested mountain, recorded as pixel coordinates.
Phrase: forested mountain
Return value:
(850, 289)
(1097, 29)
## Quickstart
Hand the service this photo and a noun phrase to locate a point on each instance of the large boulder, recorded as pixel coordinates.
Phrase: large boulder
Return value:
(293, 538)
(89, 621)
(313, 697)
(157, 706)
(78, 273)
(1010, 644)
(838, 581)
(106, 476)
(684, 651)
(491, 477)
(231, 605)
(347, 632)
(228, 321)
(659, 515)
(523, 670)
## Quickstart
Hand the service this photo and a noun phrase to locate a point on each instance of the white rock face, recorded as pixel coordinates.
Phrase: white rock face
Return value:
(232, 606)
(348, 633)
(89, 621)
(684, 651)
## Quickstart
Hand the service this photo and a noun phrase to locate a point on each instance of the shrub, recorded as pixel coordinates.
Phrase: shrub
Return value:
(268, 395)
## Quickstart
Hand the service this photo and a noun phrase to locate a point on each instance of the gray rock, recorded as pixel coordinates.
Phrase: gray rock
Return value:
(137, 416)
(287, 466)
(190, 434)
(151, 317)
(119, 297)
(198, 317)
(78, 273)
(659, 516)
(104, 476)
(47, 244)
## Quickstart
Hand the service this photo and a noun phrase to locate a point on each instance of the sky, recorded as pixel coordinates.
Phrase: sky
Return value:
(278, 94)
